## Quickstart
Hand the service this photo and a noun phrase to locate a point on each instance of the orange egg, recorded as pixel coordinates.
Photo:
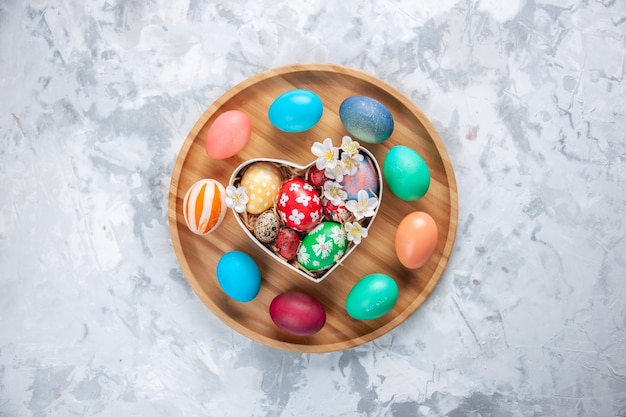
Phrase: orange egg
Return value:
(416, 239)
(204, 206)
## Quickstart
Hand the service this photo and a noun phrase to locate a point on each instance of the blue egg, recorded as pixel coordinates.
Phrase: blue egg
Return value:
(296, 111)
(366, 119)
(239, 276)
(366, 178)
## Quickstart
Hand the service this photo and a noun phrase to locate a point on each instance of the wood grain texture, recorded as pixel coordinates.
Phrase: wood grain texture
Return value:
(199, 255)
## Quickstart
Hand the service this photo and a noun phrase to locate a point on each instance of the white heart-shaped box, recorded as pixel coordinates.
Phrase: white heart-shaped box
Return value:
(321, 275)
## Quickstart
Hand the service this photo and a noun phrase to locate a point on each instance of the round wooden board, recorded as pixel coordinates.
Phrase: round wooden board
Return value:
(199, 255)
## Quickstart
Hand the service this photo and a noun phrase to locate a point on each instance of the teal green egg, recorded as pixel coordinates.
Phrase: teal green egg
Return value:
(296, 110)
(406, 173)
(372, 297)
(322, 247)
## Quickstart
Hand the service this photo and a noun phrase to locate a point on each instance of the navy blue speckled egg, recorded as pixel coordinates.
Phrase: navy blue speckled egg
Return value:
(366, 119)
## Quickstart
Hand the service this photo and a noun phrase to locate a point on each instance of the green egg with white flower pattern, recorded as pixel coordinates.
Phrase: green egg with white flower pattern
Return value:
(323, 246)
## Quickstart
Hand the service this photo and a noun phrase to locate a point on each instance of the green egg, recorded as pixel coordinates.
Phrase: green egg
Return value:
(372, 297)
(406, 173)
(323, 246)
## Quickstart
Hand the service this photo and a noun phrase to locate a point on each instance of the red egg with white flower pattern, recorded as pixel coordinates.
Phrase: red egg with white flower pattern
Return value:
(299, 205)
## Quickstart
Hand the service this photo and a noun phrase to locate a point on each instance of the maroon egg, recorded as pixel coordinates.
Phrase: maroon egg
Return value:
(299, 205)
(287, 243)
(297, 313)
(317, 177)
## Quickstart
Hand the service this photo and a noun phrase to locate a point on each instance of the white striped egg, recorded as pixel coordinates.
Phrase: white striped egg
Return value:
(204, 206)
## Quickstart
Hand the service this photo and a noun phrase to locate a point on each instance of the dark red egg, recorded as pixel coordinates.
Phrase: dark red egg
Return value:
(287, 243)
(297, 313)
(317, 177)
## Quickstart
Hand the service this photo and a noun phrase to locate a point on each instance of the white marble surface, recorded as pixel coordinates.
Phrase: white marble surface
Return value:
(96, 318)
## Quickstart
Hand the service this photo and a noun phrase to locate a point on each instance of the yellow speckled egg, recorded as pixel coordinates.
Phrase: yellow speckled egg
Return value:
(262, 181)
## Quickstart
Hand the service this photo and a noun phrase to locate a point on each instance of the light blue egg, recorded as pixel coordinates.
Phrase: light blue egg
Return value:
(296, 111)
(366, 119)
(239, 276)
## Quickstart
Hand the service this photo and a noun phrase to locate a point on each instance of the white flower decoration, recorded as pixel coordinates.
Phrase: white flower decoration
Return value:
(303, 199)
(315, 216)
(283, 199)
(296, 217)
(327, 154)
(335, 173)
(338, 236)
(355, 232)
(350, 146)
(334, 192)
(350, 163)
(236, 198)
(322, 247)
(303, 256)
(363, 206)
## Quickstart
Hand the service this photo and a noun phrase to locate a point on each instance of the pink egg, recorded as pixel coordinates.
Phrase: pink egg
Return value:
(297, 313)
(228, 134)
(204, 206)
